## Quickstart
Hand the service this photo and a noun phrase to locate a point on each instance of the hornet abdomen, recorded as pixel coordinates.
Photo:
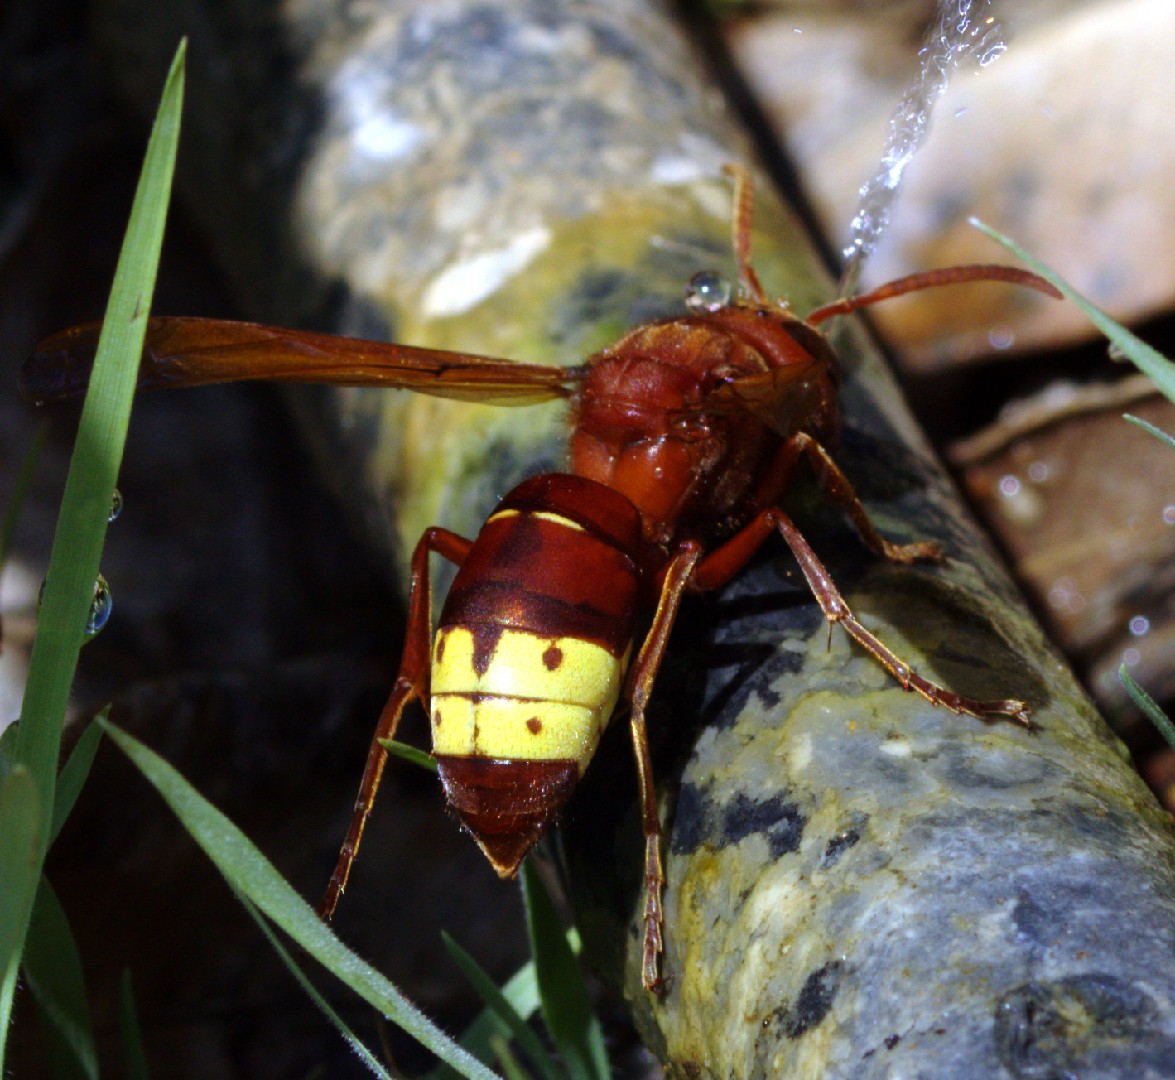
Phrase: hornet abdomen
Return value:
(530, 655)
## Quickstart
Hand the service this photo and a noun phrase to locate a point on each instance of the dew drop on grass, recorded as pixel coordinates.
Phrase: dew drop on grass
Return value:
(101, 605)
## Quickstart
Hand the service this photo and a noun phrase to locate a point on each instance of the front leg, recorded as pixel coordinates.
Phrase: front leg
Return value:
(836, 610)
(724, 562)
(840, 490)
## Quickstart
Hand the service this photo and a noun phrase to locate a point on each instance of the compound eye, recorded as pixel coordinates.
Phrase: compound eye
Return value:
(707, 291)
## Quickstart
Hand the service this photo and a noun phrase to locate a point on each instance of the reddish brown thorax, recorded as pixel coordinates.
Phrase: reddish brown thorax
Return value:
(636, 426)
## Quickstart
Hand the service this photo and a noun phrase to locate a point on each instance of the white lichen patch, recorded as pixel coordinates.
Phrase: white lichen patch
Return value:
(465, 284)
(896, 748)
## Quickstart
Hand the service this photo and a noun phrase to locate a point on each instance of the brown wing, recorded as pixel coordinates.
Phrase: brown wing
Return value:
(192, 352)
(782, 397)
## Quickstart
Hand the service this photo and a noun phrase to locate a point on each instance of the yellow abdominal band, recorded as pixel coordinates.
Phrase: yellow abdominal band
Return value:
(540, 698)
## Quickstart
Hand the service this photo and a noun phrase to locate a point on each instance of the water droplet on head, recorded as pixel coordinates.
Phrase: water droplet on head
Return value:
(707, 291)
(1139, 625)
(115, 506)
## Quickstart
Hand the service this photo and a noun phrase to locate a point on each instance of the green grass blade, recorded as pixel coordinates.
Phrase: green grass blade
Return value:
(361, 1051)
(19, 491)
(85, 505)
(20, 842)
(251, 875)
(510, 1021)
(21, 823)
(1146, 426)
(7, 742)
(1148, 705)
(511, 1070)
(73, 775)
(413, 755)
(566, 1005)
(1148, 360)
(521, 992)
(131, 1032)
(52, 969)
(81, 528)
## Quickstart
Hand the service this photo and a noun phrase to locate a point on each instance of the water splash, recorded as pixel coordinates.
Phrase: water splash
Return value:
(964, 30)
